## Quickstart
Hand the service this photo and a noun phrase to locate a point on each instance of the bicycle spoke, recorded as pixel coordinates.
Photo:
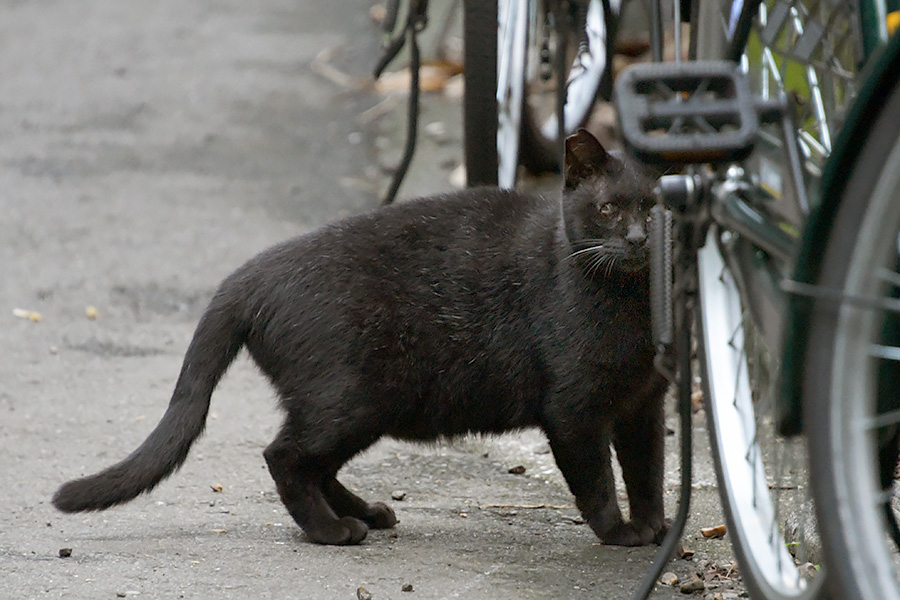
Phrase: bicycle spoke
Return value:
(882, 420)
(885, 352)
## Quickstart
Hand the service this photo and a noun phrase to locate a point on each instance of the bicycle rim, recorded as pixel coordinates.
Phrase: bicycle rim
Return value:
(851, 412)
(768, 512)
(512, 42)
(588, 70)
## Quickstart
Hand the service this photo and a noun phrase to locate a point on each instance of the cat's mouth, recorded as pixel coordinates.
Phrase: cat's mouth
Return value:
(603, 259)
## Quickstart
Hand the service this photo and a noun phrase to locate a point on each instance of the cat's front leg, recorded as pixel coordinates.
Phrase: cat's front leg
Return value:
(583, 456)
(639, 439)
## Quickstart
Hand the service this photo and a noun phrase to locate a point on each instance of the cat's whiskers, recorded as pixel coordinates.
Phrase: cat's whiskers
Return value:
(601, 258)
(591, 246)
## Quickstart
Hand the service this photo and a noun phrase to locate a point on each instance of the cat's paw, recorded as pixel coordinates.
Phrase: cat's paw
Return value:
(345, 531)
(662, 531)
(633, 533)
(380, 516)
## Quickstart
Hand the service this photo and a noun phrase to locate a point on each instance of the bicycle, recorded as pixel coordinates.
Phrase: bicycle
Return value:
(763, 147)
(756, 142)
(851, 403)
(518, 52)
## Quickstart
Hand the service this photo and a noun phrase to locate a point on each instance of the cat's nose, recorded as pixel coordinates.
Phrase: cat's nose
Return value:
(635, 233)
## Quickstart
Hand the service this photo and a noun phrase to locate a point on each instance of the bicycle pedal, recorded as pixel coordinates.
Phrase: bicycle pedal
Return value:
(686, 113)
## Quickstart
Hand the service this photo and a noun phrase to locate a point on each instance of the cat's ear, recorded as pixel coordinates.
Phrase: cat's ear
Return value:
(585, 158)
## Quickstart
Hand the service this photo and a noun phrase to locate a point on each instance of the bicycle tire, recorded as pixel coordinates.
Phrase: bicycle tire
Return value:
(480, 94)
(513, 19)
(738, 384)
(851, 472)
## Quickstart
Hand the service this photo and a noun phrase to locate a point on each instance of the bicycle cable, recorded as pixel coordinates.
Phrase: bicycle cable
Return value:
(416, 21)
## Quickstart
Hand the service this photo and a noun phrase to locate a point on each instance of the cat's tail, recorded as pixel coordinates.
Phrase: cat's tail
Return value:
(219, 336)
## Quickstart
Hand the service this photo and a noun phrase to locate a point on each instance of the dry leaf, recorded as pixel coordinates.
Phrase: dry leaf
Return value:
(684, 553)
(432, 78)
(713, 532)
(27, 314)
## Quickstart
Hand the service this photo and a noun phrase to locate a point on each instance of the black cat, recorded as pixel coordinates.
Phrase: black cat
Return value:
(479, 311)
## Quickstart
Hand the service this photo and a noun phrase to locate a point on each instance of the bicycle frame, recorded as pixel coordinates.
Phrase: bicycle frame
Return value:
(780, 230)
(881, 74)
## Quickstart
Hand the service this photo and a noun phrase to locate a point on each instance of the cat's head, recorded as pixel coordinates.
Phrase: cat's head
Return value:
(607, 204)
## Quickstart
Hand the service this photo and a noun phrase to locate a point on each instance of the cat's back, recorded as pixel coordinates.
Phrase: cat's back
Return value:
(469, 225)
(437, 268)
(481, 217)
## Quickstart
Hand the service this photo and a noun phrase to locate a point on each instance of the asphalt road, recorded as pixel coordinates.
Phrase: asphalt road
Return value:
(148, 148)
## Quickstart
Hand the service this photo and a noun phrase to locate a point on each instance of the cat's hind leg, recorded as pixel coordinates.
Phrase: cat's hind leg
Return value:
(299, 479)
(345, 503)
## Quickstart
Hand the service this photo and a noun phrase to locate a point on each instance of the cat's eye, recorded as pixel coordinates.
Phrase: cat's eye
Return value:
(608, 209)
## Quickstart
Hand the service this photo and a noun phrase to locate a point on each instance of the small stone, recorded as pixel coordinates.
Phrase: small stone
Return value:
(809, 570)
(669, 578)
(457, 179)
(407, 587)
(217, 487)
(684, 553)
(437, 131)
(363, 594)
(694, 585)
(517, 470)
(377, 13)
(398, 495)
(65, 552)
(121, 594)
(543, 448)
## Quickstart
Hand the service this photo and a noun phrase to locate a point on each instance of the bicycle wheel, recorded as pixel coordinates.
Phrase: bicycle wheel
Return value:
(852, 368)
(510, 96)
(512, 46)
(763, 477)
(589, 55)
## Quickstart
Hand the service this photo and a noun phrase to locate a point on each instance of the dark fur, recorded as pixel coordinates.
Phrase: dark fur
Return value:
(479, 311)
